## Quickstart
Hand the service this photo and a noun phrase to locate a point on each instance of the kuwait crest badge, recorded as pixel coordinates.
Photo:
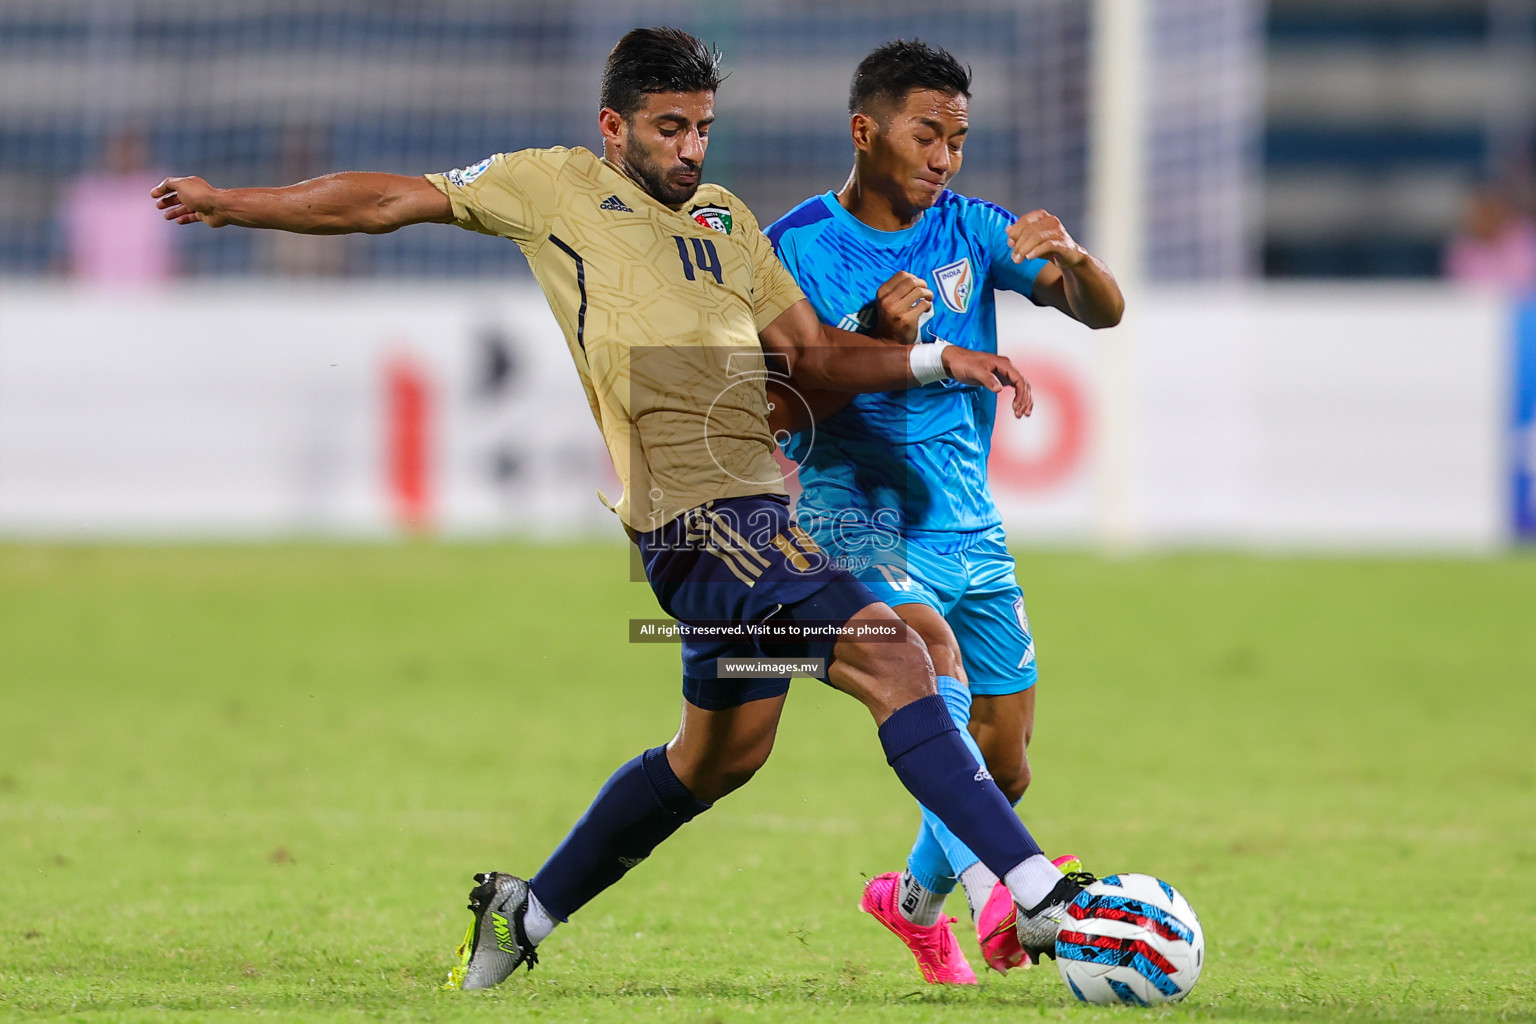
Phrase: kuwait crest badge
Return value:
(717, 217)
(955, 284)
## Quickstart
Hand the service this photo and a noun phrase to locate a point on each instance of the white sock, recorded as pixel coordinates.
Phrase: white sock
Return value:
(978, 882)
(917, 902)
(1032, 881)
(536, 920)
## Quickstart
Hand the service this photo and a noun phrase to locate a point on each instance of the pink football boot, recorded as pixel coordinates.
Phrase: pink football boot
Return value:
(938, 954)
(996, 926)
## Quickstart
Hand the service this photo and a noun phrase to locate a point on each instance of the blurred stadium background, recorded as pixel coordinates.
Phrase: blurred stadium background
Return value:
(1282, 188)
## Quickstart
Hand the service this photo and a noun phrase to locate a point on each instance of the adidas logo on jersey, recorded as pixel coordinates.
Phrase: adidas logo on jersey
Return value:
(615, 205)
(982, 773)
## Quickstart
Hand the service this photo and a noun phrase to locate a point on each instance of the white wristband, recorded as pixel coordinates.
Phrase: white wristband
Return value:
(927, 361)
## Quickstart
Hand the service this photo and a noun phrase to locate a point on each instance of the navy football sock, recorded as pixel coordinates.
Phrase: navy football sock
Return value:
(641, 804)
(923, 745)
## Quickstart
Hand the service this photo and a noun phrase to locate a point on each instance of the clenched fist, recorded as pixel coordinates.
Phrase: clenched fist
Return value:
(1039, 235)
(900, 305)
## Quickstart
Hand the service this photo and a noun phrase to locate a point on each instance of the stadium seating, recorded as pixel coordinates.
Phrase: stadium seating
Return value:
(1380, 114)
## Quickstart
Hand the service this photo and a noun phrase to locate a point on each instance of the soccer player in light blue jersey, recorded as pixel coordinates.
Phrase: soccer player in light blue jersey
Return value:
(895, 484)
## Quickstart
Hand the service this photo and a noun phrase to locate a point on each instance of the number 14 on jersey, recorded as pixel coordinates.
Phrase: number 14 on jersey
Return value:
(705, 257)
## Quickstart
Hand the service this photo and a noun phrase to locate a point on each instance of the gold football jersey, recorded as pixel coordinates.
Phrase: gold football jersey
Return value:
(661, 310)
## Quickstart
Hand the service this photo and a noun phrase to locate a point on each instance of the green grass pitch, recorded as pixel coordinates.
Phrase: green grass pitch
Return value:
(249, 782)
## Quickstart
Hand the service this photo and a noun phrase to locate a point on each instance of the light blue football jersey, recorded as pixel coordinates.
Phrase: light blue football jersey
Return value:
(915, 461)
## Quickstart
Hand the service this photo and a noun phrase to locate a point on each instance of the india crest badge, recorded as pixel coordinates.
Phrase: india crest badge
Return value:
(955, 283)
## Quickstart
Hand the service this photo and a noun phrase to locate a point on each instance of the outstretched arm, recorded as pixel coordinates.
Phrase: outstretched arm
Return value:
(335, 204)
(1075, 283)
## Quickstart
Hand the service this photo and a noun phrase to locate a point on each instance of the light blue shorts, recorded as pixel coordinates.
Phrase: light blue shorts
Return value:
(970, 581)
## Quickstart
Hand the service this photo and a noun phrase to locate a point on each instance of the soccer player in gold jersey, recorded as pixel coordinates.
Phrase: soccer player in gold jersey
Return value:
(675, 310)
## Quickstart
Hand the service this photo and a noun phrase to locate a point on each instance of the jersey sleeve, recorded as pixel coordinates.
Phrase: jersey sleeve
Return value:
(785, 248)
(773, 287)
(508, 194)
(991, 223)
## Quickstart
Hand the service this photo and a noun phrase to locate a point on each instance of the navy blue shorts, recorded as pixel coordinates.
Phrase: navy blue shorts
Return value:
(743, 562)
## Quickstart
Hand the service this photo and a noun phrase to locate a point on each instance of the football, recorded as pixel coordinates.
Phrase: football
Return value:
(1130, 939)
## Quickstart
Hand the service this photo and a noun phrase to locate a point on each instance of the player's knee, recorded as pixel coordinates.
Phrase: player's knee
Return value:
(1013, 780)
(907, 665)
(1008, 761)
(731, 781)
(884, 675)
(727, 771)
(936, 636)
(946, 659)
(727, 778)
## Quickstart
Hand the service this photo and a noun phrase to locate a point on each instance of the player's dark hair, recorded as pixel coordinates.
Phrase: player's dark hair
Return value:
(896, 68)
(650, 60)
